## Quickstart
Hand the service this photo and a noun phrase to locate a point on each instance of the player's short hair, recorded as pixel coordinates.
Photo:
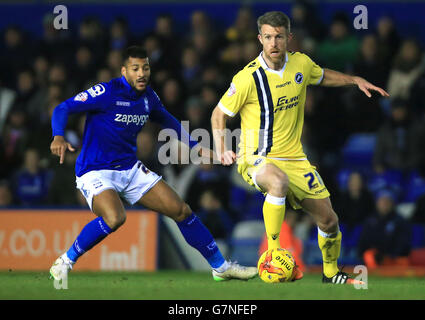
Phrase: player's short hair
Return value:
(274, 19)
(134, 52)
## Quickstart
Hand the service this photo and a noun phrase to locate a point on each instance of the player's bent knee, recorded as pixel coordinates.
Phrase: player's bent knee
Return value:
(115, 221)
(184, 212)
(330, 224)
(278, 183)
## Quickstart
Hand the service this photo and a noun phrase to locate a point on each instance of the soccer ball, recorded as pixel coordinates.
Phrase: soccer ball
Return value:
(276, 265)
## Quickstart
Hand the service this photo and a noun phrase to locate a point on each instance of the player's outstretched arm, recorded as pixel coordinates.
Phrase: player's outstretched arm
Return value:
(218, 124)
(59, 146)
(332, 78)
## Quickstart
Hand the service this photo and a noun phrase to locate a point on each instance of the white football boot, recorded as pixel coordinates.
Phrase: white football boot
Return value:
(235, 271)
(61, 267)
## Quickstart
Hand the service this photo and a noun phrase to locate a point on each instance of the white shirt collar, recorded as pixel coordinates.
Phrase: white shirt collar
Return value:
(265, 67)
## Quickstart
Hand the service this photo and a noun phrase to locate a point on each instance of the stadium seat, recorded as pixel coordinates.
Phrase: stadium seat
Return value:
(342, 178)
(414, 187)
(245, 241)
(418, 236)
(358, 149)
(391, 180)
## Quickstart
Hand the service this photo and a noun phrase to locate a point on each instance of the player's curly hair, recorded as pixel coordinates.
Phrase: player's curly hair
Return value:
(274, 19)
(134, 52)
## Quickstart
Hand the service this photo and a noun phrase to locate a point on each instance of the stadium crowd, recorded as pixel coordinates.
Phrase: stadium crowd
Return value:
(190, 72)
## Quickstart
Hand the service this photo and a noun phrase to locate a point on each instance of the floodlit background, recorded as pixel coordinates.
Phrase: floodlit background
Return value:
(369, 152)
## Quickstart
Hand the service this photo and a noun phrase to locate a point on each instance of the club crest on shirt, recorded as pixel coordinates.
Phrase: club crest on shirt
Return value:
(258, 161)
(146, 104)
(123, 103)
(299, 77)
(232, 90)
(96, 90)
(82, 96)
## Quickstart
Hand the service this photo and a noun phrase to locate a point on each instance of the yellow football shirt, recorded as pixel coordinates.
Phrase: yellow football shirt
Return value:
(271, 105)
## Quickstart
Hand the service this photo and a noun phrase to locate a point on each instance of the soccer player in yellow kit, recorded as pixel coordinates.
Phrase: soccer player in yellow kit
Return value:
(269, 94)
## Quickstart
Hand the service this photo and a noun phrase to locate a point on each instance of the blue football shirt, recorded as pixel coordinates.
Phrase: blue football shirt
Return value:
(116, 114)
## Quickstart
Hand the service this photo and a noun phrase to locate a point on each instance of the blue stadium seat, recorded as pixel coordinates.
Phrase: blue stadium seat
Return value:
(245, 241)
(414, 187)
(418, 236)
(358, 149)
(390, 180)
(342, 178)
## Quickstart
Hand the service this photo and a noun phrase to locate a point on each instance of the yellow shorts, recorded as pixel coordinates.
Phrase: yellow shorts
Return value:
(304, 180)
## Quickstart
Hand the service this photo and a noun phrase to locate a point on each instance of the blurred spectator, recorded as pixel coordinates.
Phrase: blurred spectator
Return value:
(29, 98)
(84, 68)
(232, 59)
(172, 97)
(158, 60)
(244, 28)
(203, 37)
(250, 50)
(365, 113)
(91, 34)
(169, 40)
(62, 191)
(14, 138)
(288, 239)
(354, 204)
(196, 113)
(5, 194)
(31, 183)
(103, 75)
(417, 98)
(147, 149)
(58, 75)
(408, 65)
(213, 215)
(119, 34)
(211, 176)
(368, 64)
(55, 44)
(14, 55)
(190, 69)
(114, 62)
(385, 239)
(205, 47)
(209, 97)
(388, 40)
(339, 51)
(305, 22)
(395, 140)
(40, 67)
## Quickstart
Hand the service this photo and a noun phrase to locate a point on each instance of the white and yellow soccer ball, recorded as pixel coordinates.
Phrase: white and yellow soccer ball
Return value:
(276, 265)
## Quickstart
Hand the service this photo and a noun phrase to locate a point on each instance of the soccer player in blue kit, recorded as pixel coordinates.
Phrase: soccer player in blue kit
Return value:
(107, 169)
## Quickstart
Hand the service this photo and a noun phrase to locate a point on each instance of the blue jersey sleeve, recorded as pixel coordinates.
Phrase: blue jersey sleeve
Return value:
(160, 115)
(92, 99)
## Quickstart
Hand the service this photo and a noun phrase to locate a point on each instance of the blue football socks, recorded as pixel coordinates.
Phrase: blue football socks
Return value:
(94, 232)
(199, 237)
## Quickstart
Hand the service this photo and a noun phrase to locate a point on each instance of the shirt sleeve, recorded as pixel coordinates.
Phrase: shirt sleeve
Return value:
(92, 99)
(236, 96)
(160, 115)
(315, 72)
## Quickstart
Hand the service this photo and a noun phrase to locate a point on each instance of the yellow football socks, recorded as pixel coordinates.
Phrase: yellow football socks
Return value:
(330, 245)
(273, 213)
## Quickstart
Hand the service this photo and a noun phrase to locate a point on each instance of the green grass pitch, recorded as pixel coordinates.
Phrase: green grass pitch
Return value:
(186, 285)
